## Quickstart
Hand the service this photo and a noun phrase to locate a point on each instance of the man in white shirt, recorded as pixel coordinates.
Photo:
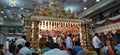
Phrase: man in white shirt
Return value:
(26, 50)
(105, 48)
(7, 45)
(69, 41)
(96, 43)
(21, 41)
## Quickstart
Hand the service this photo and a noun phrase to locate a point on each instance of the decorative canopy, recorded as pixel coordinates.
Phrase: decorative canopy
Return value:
(37, 18)
(51, 12)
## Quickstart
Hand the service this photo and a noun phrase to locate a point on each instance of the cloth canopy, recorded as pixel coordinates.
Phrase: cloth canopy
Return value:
(112, 19)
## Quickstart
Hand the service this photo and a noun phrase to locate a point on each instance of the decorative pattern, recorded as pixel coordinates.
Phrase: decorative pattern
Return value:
(107, 28)
(112, 19)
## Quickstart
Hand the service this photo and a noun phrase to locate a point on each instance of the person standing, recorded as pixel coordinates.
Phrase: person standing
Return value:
(69, 41)
(21, 40)
(26, 50)
(96, 43)
(77, 48)
(7, 45)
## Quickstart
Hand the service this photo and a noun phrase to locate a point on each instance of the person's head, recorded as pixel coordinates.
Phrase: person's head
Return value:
(12, 40)
(105, 44)
(8, 40)
(77, 44)
(24, 37)
(15, 39)
(34, 54)
(64, 44)
(20, 46)
(1, 46)
(70, 35)
(50, 39)
(96, 34)
(47, 44)
(27, 44)
(54, 45)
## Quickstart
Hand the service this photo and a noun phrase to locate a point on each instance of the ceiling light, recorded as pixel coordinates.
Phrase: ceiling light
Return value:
(27, 10)
(21, 8)
(12, 6)
(39, 1)
(70, 8)
(85, 8)
(5, 16)
(84, 0)
(2, 12)
(12, 3)
(97, 0)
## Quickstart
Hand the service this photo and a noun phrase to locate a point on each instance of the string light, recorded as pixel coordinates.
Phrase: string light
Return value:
(85, 8)
(5, 16)
(21, 8)
(84, 0)
(2, 12)
(97, 0)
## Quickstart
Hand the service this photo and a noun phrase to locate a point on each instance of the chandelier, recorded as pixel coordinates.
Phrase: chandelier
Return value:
(12, 3)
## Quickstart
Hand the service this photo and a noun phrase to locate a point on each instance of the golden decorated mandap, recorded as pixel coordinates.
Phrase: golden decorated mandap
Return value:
(51, 19)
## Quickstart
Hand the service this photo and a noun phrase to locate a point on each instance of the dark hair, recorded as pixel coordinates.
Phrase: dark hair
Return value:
(1, 45)
(20, 46)
(105, 44)
(70, 35)
(77, 44)
(64, 44)
(27, 44)
(47, 44)
(54, 45)
(34, 54)
(24, 37)
(96, 34)
(8, 40)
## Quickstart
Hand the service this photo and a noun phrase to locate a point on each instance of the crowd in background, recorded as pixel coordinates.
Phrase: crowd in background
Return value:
(109, 42)
(61, 45)
(46, 45)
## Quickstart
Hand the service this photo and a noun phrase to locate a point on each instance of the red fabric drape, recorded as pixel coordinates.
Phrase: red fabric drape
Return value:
(113, 19)
(118, 31)
(117, 20)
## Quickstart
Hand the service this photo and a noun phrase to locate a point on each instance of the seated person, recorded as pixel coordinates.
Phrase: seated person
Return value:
(47, 48)
(55, 50)
(76, 48)
(65, 48)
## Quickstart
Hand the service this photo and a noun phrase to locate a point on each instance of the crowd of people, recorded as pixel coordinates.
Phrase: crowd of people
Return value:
(60, 45)
(47, 45)
(109, 42)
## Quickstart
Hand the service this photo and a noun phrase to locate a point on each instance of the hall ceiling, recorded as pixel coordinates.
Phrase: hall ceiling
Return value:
(23, 6)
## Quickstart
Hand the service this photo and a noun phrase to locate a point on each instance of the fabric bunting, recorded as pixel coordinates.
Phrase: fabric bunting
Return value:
(113, 19)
